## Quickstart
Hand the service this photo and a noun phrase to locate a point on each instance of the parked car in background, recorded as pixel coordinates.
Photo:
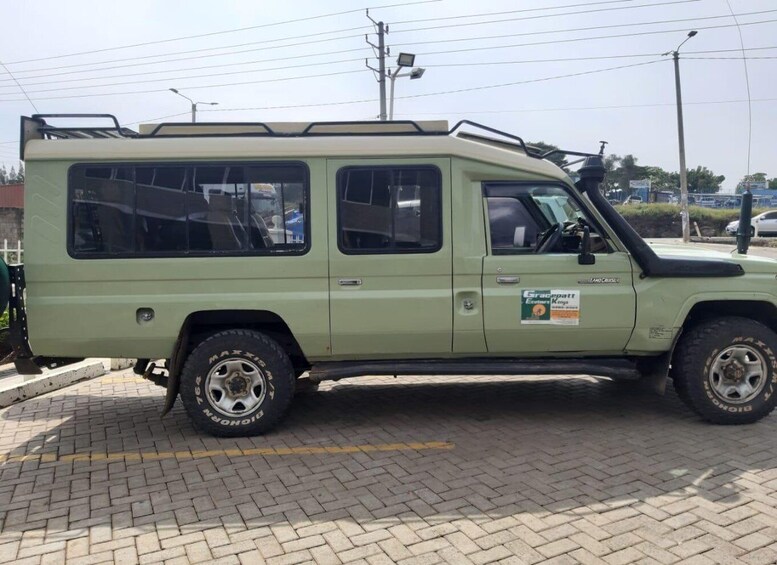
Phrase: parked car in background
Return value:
(634, 200)
(765, 224)
(707, 202)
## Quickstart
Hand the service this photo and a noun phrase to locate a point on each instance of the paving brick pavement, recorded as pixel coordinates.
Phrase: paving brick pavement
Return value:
(381, 470)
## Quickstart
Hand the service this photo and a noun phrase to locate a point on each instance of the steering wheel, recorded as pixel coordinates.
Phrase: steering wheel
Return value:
(549, 238)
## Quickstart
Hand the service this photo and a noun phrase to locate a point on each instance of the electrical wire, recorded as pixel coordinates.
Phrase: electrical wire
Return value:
(26, 96)
(590, 28)
(94, 95)
(91, 65)
(577, 39)
(747, 84)
(419, 43)
(211, 34)
(523, 18)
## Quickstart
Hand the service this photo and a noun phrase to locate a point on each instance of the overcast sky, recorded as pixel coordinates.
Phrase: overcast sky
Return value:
(250, 71)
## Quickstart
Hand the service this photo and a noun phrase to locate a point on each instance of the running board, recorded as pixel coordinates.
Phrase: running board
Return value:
(612, 367)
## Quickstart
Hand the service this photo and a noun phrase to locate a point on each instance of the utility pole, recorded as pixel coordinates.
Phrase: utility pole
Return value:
(381, 52)
(681, 140)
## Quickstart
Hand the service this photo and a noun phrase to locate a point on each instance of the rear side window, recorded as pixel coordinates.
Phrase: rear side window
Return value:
(191, 209)
(389, 210)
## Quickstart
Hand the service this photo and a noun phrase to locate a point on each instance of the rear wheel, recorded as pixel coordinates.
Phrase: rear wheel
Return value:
(237, 383)
(726, 370)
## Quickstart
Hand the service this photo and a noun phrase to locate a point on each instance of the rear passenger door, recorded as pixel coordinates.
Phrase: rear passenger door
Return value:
(390, 257)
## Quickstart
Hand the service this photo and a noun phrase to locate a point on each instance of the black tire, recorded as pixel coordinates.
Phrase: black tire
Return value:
(257, 353)
(694, 378)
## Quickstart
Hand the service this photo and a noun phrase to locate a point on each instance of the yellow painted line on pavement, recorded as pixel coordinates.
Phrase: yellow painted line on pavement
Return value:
(235, 452)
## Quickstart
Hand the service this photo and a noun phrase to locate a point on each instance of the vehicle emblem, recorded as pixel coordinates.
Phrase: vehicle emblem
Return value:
(600, 280)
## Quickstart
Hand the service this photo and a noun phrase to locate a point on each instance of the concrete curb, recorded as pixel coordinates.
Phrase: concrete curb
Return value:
(16, 389)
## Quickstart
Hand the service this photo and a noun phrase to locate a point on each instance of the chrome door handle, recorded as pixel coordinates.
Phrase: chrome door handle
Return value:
(507, 280)
(349, 282)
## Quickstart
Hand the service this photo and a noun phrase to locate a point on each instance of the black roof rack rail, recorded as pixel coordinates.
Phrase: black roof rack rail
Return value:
(36, 127)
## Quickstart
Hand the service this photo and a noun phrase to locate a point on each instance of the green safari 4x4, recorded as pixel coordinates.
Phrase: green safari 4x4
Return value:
(238, 262)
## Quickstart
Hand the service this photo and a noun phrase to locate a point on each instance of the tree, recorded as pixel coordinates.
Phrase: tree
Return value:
(557, 159)
(628, 170)
(755, 177)
(662, 180)
(773, 183)
(3, 175)
(701, 179)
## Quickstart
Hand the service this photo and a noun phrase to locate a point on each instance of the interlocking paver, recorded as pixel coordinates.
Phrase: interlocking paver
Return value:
(536, 470)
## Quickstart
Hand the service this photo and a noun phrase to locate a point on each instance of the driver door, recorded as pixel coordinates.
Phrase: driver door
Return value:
(536, 303)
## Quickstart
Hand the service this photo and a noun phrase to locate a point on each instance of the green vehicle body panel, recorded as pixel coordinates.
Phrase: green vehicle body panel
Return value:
(444, 304)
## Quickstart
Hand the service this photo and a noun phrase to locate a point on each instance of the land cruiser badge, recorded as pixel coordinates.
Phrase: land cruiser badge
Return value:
(557, 307)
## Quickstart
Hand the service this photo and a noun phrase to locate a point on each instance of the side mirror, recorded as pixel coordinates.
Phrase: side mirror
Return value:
(586, 257)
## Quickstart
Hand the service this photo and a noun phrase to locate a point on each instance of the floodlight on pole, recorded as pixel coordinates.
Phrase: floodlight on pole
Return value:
(403, 61)
(193, 103)
(684, 214)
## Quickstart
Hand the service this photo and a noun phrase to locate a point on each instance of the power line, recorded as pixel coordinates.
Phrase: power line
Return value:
(522, 18)
(186, 87)
(170, 79)
(506, 12)
(440, 41)
(590, 28)
(576, 39)
(91, 65)
(187, 58)
(582, 108)
(145, 57)
(211, 34)
(26, 96)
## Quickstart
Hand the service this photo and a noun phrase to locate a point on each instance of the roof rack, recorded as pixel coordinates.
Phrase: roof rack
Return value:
(36, 127)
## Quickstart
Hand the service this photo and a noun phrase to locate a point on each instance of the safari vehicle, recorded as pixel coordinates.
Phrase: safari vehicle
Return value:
(418, 250)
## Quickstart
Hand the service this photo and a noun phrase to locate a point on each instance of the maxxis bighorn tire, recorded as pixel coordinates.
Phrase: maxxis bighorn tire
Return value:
(701, 376)
(228, 367)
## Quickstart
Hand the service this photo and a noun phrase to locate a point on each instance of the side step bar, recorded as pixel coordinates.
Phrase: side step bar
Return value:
(613, 367)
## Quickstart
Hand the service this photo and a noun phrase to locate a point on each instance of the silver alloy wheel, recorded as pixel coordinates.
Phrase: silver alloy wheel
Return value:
(235, 387)
(738, 374)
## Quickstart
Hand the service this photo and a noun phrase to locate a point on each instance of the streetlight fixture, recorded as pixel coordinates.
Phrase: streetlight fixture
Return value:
(681, 139)
(403, 61)
(193, 103)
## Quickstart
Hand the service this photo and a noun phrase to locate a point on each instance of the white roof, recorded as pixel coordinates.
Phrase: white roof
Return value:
(267, 147)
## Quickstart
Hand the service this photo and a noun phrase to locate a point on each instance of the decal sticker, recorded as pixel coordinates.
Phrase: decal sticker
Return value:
(557, 307)
(660, 333)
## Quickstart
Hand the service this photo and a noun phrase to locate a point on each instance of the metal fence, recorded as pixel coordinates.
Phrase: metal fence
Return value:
(13, 253)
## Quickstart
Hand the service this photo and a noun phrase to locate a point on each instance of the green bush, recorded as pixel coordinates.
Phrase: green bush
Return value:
(4, 320)
(663, 220)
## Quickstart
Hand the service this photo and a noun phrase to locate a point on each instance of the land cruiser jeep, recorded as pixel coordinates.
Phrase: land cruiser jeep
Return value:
(239, 262)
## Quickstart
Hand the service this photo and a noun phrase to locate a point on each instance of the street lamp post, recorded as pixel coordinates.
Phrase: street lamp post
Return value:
(681, 140)
(193, 103)
(404, 60)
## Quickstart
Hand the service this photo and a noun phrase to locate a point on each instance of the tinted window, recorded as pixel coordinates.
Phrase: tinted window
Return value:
(103, 200)
(160, 214)
(182, 209)
(389, 210)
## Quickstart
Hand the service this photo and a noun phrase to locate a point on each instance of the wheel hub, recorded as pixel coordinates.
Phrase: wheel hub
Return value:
(734, 371)
(237, 385)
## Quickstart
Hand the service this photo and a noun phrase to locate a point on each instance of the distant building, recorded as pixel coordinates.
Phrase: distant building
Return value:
(11, 213)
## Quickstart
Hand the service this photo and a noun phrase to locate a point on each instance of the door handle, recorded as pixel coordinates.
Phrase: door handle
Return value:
(349, 282)
(507, 280)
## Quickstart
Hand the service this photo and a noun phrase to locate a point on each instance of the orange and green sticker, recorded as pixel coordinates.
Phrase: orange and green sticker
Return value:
(558, 307)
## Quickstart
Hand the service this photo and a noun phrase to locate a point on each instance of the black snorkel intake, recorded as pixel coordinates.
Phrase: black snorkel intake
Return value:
(591, 175)
(745, 222)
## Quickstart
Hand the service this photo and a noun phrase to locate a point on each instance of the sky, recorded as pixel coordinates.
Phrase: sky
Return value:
(504, 63)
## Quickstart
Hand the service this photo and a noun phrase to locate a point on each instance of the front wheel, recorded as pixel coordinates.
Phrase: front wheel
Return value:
(726, 370)
(237, 383)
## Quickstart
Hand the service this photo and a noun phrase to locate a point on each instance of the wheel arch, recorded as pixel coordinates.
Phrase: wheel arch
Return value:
(201, 324)
(763, 311)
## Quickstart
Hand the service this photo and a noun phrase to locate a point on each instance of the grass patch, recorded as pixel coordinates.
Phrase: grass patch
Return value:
(663, 220)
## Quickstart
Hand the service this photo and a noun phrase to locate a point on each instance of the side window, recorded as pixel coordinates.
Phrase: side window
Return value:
(168, 210)
(389, 210)
(102, 209)
(160, 214)
(528, 218)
